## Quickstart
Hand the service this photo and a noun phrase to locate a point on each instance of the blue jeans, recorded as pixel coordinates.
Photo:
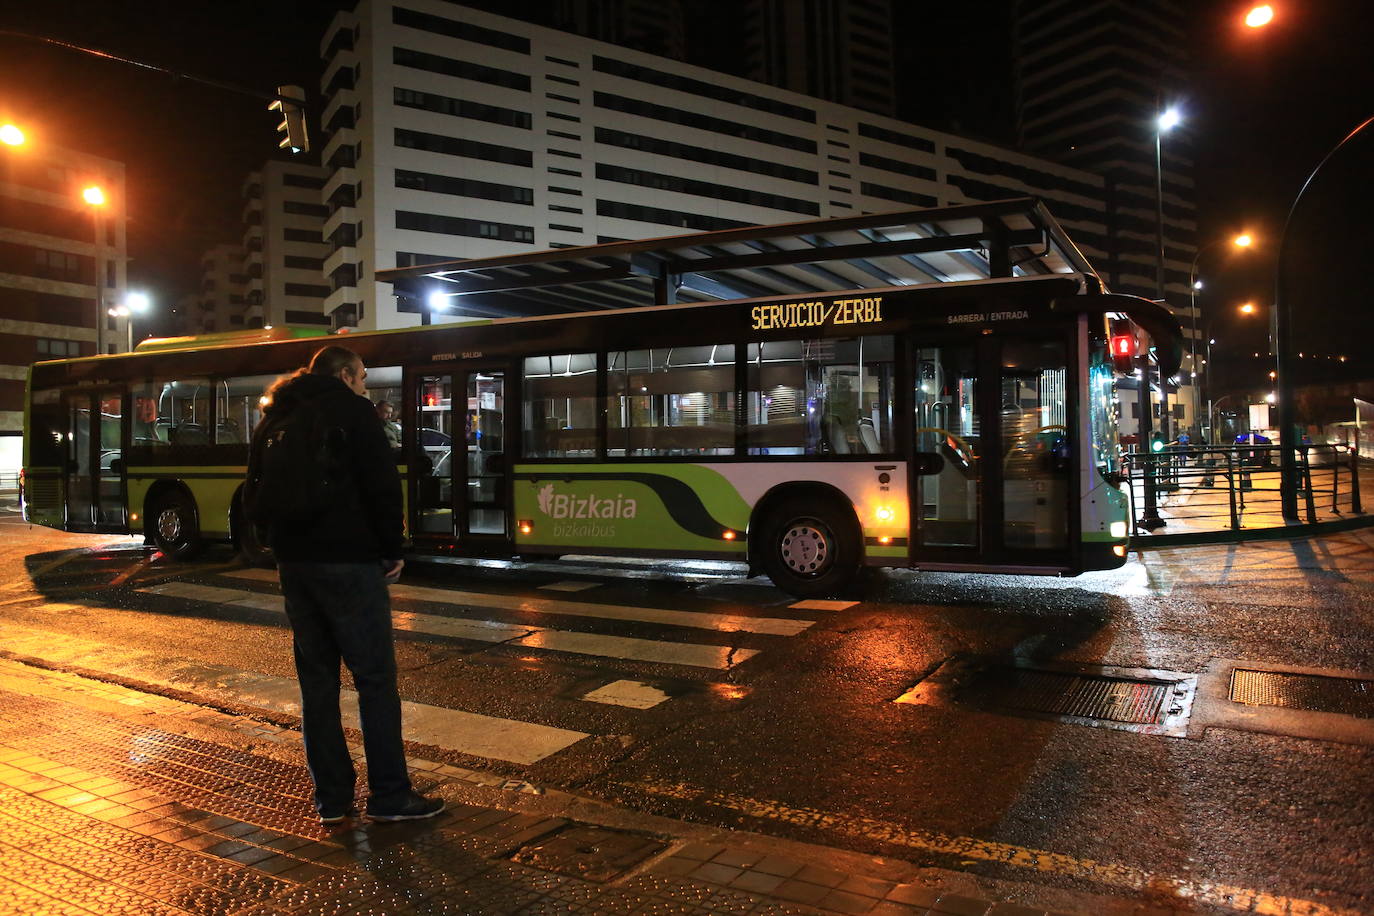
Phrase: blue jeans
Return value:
(342, 612)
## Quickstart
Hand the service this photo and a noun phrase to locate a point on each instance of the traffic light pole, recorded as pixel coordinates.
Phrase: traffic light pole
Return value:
(1149, 519)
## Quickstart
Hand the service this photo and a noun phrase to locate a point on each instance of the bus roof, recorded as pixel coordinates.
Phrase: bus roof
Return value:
(1008, 238)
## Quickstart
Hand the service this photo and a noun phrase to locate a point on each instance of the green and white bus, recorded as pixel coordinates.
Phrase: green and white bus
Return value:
(959, 425)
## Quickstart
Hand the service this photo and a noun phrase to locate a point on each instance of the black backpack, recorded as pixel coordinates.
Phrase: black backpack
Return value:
(294, 473)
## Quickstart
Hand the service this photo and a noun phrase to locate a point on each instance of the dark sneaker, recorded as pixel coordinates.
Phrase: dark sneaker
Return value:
(414, 807)
(337, 815)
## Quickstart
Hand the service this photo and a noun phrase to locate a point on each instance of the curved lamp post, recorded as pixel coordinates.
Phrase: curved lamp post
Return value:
(1288, 464)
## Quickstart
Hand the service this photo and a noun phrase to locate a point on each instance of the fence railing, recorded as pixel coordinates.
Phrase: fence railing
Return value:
(9, 480)
(1220, 487)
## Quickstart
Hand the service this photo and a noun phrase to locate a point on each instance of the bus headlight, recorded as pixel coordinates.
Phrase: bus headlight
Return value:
(1118, 529)
(884, 514)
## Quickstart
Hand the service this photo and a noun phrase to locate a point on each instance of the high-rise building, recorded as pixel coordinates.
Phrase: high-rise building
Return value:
(838, 50)
(283, 248)
(219, 305)
(652, 26)
(62, 268)
(1093, 76)
(454, 133)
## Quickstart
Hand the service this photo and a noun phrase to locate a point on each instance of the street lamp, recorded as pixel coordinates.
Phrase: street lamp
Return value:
(1166, 121)
(10, 135)
(1242, 241)
(94, 196)
(435, 301)
(1259, 16)
(135, 303)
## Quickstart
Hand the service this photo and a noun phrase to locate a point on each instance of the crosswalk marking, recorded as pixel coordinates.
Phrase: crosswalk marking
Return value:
(815, 604)
(633, 694)
(466, 732)
(569, 586)
(698, 620)
(493, 631)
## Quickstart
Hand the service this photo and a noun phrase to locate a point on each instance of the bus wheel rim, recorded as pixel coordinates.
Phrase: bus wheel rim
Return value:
(805, 549)
(169, 524)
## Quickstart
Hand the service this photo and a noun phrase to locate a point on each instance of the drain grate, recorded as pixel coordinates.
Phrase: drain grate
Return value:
(1133, 701)
(1309, 692)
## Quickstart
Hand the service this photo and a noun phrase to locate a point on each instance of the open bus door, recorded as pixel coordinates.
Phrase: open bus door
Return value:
(996, 410)
(93, 465)
(460, 475)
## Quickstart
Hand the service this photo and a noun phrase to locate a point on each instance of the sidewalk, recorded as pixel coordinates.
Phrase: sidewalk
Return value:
(114, 801)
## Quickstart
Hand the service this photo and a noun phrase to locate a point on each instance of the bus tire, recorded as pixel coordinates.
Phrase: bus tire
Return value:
(174, 526)
(810, 547)
(250, 539)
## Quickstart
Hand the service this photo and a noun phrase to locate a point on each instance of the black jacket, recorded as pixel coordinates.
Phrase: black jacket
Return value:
(366, 524)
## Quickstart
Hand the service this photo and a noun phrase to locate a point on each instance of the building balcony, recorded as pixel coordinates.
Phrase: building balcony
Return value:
(338, 218)
(344, 255)
(344, 295)
(338, 179)
(344, 20)
(345, 137)
(344, 98)
(341, 60)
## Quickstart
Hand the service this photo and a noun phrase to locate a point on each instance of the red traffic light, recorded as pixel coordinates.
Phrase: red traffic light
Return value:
(1123, 347)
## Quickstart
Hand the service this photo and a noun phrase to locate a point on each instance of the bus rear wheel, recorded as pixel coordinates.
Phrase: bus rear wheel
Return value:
(173, 526)
(810, 549)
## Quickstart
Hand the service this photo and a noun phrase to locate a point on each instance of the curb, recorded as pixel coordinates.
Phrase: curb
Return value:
(1230, 536)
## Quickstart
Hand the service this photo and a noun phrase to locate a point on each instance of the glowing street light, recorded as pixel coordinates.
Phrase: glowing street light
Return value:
(1169, 119)
(1247, 308)
(1244, 240)
(1259, 16)
(11, 135)
(94, 196)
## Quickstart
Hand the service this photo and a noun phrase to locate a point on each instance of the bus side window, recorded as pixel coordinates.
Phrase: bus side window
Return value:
(242, 401)
(180, 412)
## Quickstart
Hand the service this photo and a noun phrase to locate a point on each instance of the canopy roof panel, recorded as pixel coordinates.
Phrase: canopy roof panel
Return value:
(1005, 238)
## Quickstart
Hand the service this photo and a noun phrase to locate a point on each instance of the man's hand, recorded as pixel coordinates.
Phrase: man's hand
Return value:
(392, 574)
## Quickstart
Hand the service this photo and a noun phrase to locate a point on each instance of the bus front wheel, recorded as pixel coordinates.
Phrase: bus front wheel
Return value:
(174, 527)
(810, 548)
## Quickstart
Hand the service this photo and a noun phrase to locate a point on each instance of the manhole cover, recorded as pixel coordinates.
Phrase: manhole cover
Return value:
(1309, 692)
(592, 853)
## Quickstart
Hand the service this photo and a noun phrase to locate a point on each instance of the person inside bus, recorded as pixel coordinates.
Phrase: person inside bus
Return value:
(387, 414)
(334, 570)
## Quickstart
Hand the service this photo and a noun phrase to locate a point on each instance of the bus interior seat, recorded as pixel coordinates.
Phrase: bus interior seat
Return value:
(868, 436)
(187, 434)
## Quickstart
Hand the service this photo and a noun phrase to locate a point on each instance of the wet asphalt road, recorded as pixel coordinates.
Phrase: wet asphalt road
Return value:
(804, 740)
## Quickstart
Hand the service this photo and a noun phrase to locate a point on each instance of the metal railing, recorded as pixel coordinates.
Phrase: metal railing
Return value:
(1232, 487)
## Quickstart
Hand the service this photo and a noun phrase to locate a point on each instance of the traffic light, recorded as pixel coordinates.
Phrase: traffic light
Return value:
(1123, 346)
(291, 103)
(1156, 441)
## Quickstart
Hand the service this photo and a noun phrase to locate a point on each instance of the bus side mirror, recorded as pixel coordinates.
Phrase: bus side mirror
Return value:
(927, 462)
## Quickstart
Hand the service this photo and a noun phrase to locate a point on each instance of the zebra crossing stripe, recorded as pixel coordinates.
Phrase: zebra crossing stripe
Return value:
(698, 620)
(453, 729)
(493, 631)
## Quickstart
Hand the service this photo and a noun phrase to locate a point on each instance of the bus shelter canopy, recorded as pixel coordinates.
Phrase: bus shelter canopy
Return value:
(1006, 238)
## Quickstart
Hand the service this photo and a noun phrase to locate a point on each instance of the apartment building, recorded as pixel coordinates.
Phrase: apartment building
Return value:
(283, 250)
(839, 50)
(1092, 78)
(62, 268)
(454, 133)
(219, 305)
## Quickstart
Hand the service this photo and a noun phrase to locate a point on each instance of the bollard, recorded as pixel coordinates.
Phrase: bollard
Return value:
(1355, 480)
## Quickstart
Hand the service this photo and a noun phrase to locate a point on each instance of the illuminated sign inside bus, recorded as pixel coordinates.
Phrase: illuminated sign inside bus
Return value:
(816, 313)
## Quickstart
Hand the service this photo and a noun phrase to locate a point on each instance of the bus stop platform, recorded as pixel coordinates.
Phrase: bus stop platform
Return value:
(114, 801)
(1217, 495)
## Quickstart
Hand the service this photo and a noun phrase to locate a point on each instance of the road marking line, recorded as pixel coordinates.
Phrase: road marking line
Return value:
(493, 631)
(819, 605)
(569, 586)
(48, 567)
(469, 733)
(723, 623)
(1121, 876)
(129, 573)
(633, 694)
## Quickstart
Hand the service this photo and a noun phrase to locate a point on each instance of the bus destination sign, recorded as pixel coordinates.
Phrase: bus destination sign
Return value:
(816, 313)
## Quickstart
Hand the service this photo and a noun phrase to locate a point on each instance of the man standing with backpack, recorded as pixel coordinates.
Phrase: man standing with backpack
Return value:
(322, 480)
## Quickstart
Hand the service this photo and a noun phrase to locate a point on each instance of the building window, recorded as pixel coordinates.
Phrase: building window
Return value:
(648, 144)
(302, 181)
(643, 214)
(463, 187)
(457, 225)
(453, 28)
(704, 189)
(620, 103)
(461, 108)
(464, 69)
(307, 289)
(471, 149)
(57, 349)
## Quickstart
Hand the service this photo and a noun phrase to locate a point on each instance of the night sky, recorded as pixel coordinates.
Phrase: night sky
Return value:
(1267, 107)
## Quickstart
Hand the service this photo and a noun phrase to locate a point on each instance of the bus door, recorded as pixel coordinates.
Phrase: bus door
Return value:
(93, 462)
(461, 476)
(995, 411)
